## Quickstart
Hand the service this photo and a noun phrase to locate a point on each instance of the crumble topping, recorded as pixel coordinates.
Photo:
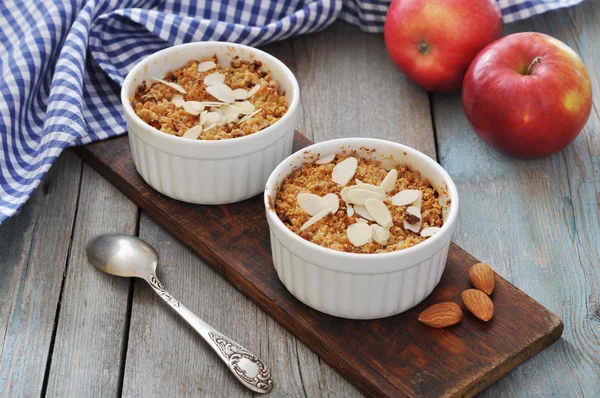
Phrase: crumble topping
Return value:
(203, 100)
(350, 204)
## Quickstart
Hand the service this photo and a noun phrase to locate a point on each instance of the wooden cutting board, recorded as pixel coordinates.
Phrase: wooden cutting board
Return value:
(396, 356)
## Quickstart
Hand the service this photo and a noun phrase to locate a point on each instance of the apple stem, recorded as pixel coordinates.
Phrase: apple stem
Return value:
(536, 60)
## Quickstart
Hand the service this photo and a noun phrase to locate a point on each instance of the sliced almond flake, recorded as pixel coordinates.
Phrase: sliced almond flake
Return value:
(193, 107)
(311, 203)
(240, 94)
(373, 188)
(215, 104)
(349, 210)
(363, 212)
(221, 92)
(206, 65)
(359, 234)
(429, 231)
(210, 127)
(389, 182)
(362, 220)
(212, 118)
(245, 107)
(359, 196)
(248, 117)
(253, 91)
(230, 113)
(230, 118)
(379, 211)
(203, 118)
(380, 234)
(405, 197)
(174, 86)
(215, 78)
(317, 217)
(414, 211)
(358, 182)
(325, 159)
(417, 202)
(193, 133)
(344, 193)
(416, 227)
(332, 201)
(177, 100)
(344, 171)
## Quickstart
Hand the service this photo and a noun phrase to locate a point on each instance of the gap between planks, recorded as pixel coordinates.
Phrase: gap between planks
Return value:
(62, 286)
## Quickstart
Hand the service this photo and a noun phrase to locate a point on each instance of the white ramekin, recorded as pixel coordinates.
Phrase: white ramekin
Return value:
(208, 172)
(361, 286)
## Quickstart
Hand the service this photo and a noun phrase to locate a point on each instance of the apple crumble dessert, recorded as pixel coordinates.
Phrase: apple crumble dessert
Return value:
(205, 101)
(350, 204)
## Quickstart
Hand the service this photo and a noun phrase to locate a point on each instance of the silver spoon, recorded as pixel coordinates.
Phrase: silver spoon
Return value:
(129, 256)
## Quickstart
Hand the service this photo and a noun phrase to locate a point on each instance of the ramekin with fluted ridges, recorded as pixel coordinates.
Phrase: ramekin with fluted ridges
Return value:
(200, 171)
(361, 286)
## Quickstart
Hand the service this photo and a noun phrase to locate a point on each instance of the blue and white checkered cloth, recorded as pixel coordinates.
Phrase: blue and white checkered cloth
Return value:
(62, 62)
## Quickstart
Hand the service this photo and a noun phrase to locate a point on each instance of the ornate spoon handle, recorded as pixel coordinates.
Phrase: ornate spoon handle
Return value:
(245, 366)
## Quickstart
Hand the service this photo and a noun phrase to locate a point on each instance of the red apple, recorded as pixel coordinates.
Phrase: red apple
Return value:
(527, 94)
(434, 41)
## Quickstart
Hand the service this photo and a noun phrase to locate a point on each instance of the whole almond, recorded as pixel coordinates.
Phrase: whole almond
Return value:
(482, 277)
(441, 315)
(479, 304)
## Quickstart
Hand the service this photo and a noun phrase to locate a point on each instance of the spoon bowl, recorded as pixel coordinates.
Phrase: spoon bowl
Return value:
(122, 255)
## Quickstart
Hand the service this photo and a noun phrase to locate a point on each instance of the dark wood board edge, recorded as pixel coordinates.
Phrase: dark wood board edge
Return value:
(553, 333)
(545, 340)
(383, 387)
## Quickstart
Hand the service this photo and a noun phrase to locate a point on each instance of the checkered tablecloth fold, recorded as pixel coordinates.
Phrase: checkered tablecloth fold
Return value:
(62, 62)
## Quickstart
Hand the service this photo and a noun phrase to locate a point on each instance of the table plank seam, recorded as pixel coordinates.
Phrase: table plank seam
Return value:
(293, 43)
(303, 384)
(62, 288)
(433, 127)
(127, 326)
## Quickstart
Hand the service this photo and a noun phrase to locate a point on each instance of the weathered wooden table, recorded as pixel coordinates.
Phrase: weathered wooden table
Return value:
(66, 330)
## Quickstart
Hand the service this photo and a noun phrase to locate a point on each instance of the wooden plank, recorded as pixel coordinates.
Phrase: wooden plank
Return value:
(165, 357)
(537, 221)
(33, 255)
(234, 240)
(93, 321)
(351, 88)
